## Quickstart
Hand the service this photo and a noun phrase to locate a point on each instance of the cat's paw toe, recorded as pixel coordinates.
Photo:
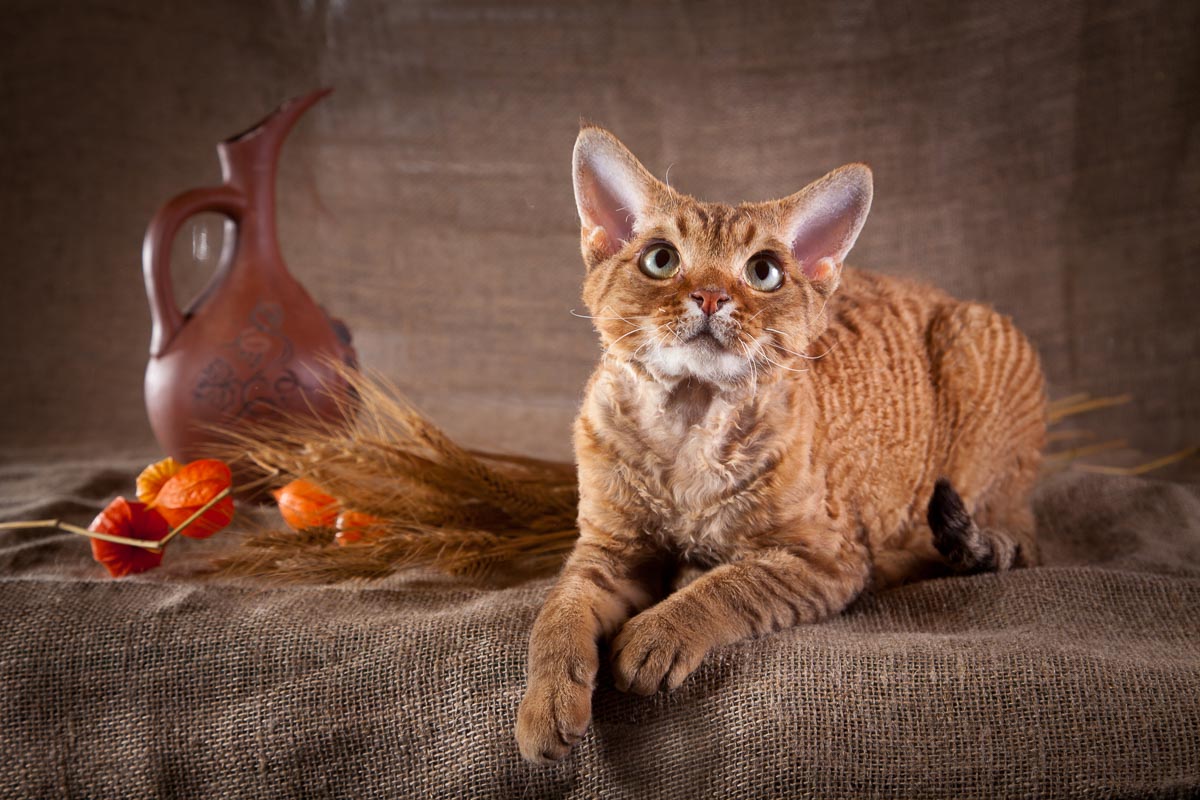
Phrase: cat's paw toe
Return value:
(652, 652)
(553, 716)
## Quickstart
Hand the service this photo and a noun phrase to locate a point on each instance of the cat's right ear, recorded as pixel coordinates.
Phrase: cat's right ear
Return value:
(824, 220)
(612, 192)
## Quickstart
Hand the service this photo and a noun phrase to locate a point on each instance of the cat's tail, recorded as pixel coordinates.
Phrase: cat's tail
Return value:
(967, 547)
(435, 503)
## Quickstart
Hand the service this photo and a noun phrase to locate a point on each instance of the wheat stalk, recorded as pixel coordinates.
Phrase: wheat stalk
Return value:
(482, 515)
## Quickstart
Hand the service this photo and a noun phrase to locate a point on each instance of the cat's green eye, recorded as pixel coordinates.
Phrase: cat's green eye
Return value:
(659, 261)
(764, 273)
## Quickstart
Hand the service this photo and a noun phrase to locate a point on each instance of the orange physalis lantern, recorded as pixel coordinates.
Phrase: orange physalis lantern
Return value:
(196, 484)
(304, 505)
(355, 526)
(150, 482)
(132, 521)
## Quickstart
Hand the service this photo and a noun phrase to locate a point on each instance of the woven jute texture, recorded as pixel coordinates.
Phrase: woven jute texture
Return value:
(1077, 679)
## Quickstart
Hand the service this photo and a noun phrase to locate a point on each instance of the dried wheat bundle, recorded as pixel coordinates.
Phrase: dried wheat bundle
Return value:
(467, 513)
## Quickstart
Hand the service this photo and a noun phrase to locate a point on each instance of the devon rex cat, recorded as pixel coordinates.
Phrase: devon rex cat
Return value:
(768, 433)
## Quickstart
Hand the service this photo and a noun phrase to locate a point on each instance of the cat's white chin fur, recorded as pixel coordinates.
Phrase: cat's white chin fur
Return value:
(675, 362)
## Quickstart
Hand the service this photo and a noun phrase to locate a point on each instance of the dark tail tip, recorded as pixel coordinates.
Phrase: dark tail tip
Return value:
(964, 545)
(948, 518)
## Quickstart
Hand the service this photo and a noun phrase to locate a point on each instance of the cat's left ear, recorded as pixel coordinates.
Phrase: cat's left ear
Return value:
(822, 221)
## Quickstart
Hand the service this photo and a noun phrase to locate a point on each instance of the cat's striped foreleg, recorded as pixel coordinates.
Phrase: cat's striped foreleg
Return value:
(602, 584)
(772, 590)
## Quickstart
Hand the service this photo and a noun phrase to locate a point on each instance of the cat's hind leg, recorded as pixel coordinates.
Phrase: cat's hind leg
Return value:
(968, 547)
(991, 405)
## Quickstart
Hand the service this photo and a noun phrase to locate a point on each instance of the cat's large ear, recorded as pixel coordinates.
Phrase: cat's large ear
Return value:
(612, 192)
(822, 222)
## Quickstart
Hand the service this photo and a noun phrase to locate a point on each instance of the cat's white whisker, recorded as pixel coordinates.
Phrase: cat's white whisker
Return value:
(649, 341)
(793, 352)
(654, 341)
(778, 346)
(762, 354)
(608, 350)
(622, 336)
(822, 311)
(753, 368)
(623, 319)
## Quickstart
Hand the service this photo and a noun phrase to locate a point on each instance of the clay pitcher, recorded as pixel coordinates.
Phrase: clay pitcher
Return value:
(253, 343)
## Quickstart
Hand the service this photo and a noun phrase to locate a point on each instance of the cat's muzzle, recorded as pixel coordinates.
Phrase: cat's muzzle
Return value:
(711, 332)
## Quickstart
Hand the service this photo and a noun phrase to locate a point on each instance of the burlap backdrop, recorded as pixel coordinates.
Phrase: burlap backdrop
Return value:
(1039, 155)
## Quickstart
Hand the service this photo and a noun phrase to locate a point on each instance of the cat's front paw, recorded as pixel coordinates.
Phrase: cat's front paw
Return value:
(654, 649)
(553, 716)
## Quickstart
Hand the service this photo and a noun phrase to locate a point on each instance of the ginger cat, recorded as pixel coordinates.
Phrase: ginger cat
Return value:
(768, 434)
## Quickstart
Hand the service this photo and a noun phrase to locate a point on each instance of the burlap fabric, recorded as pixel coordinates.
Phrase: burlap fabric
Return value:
(1078, 679)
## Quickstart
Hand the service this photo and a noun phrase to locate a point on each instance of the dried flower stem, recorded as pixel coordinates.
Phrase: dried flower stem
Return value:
(67, 527)
(153, 545)
(218, 497)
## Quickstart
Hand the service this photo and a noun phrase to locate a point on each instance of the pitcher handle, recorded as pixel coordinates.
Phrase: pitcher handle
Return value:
(165, 315)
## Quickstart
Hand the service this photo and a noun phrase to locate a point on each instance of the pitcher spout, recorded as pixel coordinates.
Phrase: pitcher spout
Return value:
(257, 148)
(248, 165)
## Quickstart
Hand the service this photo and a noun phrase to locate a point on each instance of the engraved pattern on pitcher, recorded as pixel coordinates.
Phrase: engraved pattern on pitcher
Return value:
(260, 346)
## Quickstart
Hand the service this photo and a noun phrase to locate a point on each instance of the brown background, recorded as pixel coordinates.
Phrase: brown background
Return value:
(1043, 156)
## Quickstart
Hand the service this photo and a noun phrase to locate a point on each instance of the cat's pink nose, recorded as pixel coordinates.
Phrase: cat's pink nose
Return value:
(710, 300)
